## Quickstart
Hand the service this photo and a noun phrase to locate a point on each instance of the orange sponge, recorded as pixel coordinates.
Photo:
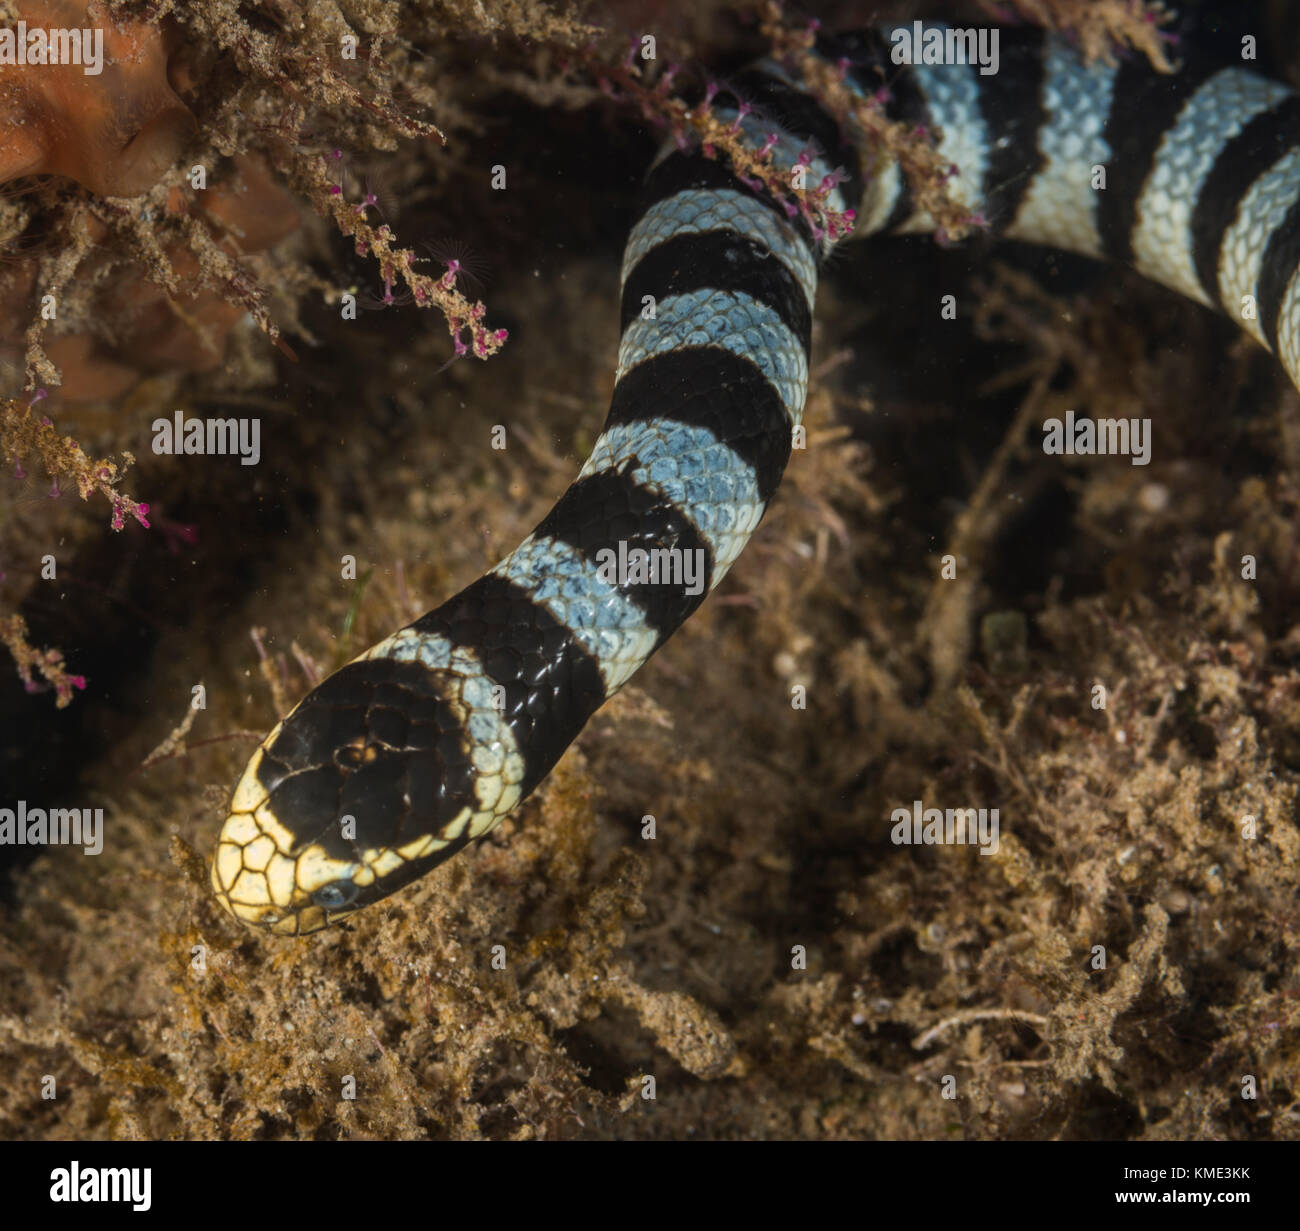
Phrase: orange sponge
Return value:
(114, 124)
(114, 131)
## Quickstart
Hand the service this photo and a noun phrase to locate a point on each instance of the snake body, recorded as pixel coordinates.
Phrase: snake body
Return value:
(426, 740)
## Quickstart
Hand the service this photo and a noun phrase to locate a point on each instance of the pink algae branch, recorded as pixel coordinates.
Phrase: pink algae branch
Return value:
(714, 133)
(318, 178)
(929, 175)
(31, 662)
(23, 432)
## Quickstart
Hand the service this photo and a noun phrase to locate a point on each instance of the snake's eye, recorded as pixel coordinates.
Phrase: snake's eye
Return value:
(336, 895)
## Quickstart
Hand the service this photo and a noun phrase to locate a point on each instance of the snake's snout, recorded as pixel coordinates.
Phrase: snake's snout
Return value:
(265, 876)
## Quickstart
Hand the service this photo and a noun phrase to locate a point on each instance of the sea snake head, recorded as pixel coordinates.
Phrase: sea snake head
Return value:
(391, 766)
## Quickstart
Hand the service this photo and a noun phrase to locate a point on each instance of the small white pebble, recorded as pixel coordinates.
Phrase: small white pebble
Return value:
(1154, 497)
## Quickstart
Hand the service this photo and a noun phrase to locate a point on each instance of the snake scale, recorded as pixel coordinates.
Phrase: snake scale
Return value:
(425, 741)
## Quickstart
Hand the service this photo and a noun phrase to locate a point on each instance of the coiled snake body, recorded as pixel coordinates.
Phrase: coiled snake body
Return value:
(425, 741)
